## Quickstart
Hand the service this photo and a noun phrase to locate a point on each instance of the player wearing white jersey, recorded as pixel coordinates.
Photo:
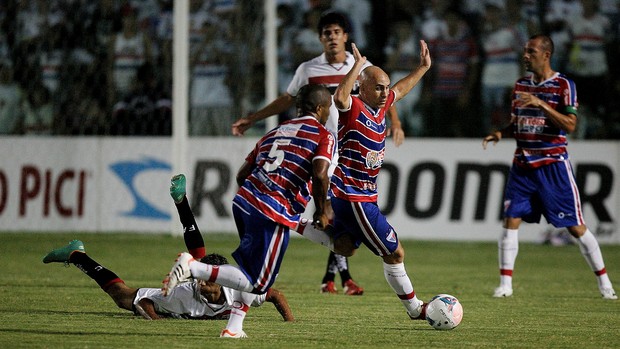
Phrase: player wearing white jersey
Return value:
(190, 300)
(328, 69)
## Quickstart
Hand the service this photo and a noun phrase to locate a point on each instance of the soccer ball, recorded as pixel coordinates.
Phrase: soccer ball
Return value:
(444, 312)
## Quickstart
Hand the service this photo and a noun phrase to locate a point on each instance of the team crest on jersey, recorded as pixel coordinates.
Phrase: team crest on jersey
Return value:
(391, 236)
(374, 159)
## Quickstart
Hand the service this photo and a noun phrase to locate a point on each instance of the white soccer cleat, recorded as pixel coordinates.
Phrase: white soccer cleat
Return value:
(502, 291)
(608, 293)
(227, 334)
(180, 272)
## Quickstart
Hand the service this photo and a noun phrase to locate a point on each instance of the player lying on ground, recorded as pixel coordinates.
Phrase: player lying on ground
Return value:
(190, 300)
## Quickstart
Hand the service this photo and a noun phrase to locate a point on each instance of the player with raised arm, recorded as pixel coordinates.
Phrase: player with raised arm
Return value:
(192, 300)
(361, 144)
(328, 70)
(278, 176)
(541, 180)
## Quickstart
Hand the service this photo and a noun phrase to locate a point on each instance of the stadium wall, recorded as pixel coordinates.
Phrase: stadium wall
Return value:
(429, 188)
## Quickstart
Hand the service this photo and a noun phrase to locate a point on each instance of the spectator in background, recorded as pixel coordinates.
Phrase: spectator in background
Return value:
(502, 49)
(10, 97)
(587, 65)
(403, 51)
(83, 106)
(287, 30)
(210, 96)
(359, 13)
(556, 22)
(147, 110)
(52, 57)
(433, 24)
(97, 23)
(450, 88)
(523, 19)
(128, 50)
(305, 45)
(38, 110)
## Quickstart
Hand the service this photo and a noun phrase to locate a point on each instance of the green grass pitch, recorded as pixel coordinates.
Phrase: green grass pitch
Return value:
(556, 302)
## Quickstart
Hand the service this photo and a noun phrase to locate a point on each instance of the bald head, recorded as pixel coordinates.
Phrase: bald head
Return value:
(374, 86)
(373, 74)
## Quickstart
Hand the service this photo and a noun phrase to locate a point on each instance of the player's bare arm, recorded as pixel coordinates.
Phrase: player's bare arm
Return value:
(279, 105)
(146, 308)
(566, 122)
(395, 128)
(279, 301)
(404, 85)
(320, 185)
(343, 92)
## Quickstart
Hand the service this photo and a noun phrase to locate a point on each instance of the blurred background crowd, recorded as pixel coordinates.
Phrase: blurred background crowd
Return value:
(82, 67)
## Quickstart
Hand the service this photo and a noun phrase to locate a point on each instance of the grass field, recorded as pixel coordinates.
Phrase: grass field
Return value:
(556, 302)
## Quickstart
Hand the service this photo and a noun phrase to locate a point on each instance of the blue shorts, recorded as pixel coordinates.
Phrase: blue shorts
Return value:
(262, 247)
(549, 191)
(366, 224)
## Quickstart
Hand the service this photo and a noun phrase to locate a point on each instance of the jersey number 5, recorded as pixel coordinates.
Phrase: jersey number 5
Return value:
(276, 154)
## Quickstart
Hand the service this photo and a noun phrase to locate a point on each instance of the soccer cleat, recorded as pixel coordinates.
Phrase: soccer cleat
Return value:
(352, 289)
(179, 273)
(227, 334)
(177, 188)
(502, 291)
(608, 293)
(329, 287)
(62, 254)
(422, 315)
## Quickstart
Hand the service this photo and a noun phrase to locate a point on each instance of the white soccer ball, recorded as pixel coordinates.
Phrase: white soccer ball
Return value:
(444, 312)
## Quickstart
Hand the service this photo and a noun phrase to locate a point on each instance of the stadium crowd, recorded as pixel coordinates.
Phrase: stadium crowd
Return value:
(79, 67)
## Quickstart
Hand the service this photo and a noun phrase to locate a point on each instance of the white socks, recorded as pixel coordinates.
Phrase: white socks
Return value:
(226, 275)
(508, 249)
(591, 251)
(396, 276)
(241, 305)
(307, 230)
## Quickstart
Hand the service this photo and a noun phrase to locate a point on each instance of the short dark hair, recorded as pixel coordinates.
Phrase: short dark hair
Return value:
(310, 96)
(333, 18)
(545, 40)
(214, 259)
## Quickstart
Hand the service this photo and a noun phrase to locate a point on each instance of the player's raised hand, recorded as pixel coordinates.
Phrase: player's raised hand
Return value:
(425, 55)
(357, 55)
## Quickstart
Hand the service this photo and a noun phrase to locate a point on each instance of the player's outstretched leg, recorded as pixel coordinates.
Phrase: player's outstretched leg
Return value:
(180, 272)
(62, 254)
(109, 282)
(177, 188)
(191, 234)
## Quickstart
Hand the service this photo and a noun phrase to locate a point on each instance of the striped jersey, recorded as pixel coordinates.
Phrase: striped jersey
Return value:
(279, 185)
(539, 140)
(361, 149)
(319, 71)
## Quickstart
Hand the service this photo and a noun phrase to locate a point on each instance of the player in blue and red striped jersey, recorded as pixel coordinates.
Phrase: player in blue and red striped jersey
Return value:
(276, 180)
(541, 181)
(327, 69)
(361, 146)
